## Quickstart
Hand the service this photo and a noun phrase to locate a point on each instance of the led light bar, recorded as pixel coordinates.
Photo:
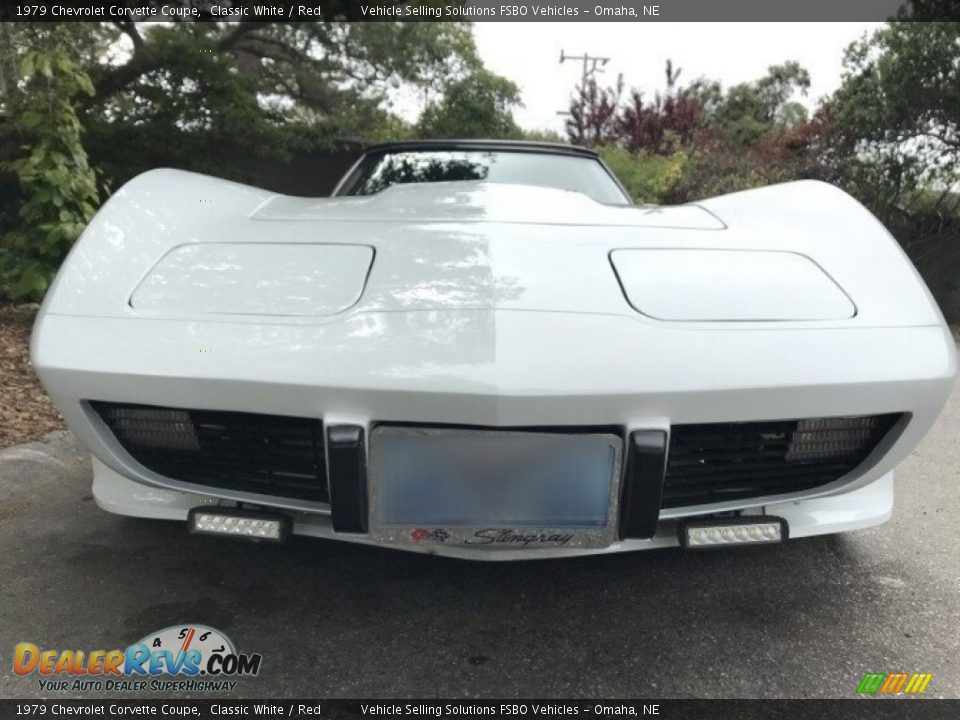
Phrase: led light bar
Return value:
(236, 522)
(724, 532)
(823, 438)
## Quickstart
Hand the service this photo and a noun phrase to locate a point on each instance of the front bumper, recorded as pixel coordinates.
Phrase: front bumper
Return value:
(495, 368)
(870, 505)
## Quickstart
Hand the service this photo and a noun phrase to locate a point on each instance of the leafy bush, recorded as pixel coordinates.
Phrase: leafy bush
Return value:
(649, 178)
(59, 186)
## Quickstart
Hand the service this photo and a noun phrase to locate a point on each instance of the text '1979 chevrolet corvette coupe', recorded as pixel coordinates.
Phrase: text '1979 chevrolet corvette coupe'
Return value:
(482, 349)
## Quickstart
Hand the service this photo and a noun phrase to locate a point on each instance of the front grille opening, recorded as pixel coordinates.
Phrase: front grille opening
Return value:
(266, 454)
(717, 462)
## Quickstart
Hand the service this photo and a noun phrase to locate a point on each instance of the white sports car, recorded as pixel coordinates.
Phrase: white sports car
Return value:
(482, 349)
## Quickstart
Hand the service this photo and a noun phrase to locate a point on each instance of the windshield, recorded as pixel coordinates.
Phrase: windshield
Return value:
(586, 175)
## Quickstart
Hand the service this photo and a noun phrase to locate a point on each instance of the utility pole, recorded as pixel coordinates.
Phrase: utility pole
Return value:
(592, 64)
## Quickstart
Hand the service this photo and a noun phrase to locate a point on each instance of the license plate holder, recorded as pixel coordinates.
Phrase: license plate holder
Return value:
(494, 489)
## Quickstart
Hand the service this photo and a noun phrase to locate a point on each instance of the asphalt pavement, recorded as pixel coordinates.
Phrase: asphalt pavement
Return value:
(330, 619)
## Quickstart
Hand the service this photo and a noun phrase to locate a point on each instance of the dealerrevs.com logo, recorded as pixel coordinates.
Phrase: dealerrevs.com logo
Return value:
(177, 658)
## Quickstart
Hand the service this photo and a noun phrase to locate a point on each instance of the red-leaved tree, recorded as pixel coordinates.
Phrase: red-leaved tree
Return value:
(592, 115)
(672, 120)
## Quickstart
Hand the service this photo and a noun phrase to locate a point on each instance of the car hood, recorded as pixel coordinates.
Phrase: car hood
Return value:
(173, 245)
(477, 201)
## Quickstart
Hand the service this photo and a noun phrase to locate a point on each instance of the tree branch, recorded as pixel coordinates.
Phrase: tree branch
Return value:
(115, 79)
(129, 28)
(230, 40)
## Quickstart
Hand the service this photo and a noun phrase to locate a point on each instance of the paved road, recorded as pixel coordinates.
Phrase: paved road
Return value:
(803, 620)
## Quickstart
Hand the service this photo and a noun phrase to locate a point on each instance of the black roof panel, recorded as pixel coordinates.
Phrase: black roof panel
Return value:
(492, 145)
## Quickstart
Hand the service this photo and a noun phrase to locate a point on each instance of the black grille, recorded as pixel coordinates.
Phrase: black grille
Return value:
(717, 462)
(266, 454)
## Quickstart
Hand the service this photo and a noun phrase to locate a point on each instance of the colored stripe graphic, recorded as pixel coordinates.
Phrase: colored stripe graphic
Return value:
(894, 683)
(918, 683)
(871, 683)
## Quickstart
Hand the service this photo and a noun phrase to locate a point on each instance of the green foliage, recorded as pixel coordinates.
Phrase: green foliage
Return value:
(895, 141)
(897, 114)
(203, 96)
(698, 140)
(649, 178)
(748, 111)
(551, 136)
(209, 97)
(726, 170)
(476, 106)
(60, 192)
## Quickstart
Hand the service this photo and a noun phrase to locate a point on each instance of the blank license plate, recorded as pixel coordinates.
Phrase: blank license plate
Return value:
(493, 489)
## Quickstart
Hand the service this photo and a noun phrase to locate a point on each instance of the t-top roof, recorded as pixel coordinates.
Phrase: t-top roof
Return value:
(483, 145)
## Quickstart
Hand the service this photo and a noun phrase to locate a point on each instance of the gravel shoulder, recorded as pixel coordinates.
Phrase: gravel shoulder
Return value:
(26, 413)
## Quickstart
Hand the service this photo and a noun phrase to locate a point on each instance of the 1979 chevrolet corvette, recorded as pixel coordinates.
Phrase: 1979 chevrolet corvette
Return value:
(482, 349)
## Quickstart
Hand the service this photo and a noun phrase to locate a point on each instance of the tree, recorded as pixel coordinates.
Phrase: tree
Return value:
(592, 115)
(747, 111)
(679, 117)
(897, 111)
(476, 106)
(59, 187)
(205, 97)
(671, 121)
(200, 95)
(693, 141)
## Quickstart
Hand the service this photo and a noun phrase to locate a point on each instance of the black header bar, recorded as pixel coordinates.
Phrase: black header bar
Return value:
(476, 10)
(509, 708)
